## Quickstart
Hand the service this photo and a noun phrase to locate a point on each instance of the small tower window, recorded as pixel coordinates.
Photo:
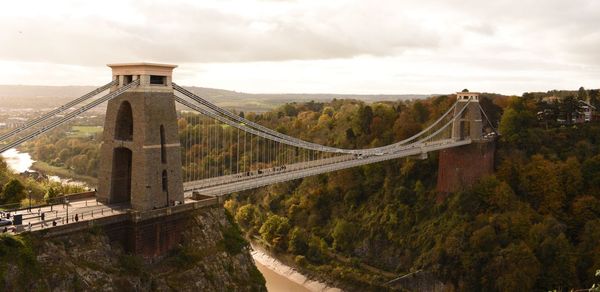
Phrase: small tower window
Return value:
(165, 181)
(163, 150)
(127, 79)
(158, 80)
(124, 123)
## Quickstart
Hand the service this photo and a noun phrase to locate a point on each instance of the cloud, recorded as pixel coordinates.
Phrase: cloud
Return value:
(481, 28)
(187, 33)
(555, 39)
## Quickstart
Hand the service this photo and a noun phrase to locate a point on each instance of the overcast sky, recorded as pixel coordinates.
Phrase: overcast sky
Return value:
(336, 46)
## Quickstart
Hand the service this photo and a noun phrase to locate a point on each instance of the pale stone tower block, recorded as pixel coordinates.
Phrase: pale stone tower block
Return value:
(140, 148)
(469, 123)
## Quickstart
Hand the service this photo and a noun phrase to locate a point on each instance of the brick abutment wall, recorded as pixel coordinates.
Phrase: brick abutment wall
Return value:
(461, 167)
(146, 233)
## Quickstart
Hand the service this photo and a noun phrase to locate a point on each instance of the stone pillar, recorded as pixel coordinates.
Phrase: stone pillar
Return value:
(140, 152)
(469, 124)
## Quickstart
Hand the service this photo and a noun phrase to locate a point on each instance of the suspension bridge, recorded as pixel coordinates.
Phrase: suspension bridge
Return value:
(150, 161)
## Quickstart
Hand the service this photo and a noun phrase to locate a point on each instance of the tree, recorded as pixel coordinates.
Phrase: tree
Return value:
(350, 136)
(589, 247)
(515, 122)
(290, 110)
(182, 123)
(343, 234)
(316, 249)
(495, 193)
(421, 113)
(274, 231)
(3, 166)
(13, 191)
(571, 178)
(364, 118)
(246, 215)
(591, 174)
(541, 182)
(378, 127)
(515, 268)
(51, 193)
(559, 269)
(493, 111)
(595, 98)
(406, 125)
(582, 94)
(298, 241)
(3, 172)
(484, 239)
(568, 108)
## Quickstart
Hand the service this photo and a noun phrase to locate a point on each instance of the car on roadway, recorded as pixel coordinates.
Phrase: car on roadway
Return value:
(5, 222)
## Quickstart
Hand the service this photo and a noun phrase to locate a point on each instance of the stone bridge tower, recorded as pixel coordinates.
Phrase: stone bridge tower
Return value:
(461, 167)
(469, 124)
(141, 158)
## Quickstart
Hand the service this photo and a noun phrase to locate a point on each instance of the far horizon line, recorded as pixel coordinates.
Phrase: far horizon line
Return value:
(301, 93)
(327, 93)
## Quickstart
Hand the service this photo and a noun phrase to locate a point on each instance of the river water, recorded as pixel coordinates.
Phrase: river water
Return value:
(17, 161)
(279, 277)
(21, 161)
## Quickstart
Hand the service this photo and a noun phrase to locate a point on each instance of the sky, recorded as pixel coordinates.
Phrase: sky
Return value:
(306, 46)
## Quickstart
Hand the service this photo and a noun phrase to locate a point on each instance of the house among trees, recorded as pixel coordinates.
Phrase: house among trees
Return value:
(587, 112)
(566, 110)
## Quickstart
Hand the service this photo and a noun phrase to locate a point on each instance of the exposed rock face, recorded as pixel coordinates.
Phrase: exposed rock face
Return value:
(212, 257)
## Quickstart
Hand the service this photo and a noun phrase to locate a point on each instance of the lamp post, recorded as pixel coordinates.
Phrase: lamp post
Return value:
(67, 203)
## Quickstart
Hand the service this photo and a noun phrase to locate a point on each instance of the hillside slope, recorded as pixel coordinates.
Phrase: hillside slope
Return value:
(212, 257)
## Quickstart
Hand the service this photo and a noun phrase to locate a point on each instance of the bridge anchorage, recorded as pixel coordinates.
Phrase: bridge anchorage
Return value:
(155, 167)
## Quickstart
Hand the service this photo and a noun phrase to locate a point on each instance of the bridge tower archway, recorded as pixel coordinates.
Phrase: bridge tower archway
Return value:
(124, 123)
(121, 175)
(141, 153)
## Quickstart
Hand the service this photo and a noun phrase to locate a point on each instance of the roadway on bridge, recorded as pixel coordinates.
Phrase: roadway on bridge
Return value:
(60, 214)
(78, 210)
(84, 209)
(300, 170)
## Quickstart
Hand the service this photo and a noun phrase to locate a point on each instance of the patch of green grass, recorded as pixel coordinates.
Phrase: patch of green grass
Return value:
(85, 131)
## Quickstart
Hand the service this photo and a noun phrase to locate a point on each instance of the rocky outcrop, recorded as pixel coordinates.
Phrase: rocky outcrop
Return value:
(212, 256)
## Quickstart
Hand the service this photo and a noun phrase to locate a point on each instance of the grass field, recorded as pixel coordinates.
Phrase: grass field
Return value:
(85, 131)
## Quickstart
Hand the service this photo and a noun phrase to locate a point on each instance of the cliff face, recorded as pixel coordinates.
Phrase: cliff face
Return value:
(211, 257)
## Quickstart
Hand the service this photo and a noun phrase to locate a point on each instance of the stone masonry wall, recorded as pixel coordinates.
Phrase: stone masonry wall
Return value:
(461, 167)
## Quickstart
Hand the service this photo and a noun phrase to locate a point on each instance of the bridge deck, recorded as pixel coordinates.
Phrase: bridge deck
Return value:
(214, 187)
(88, 209)
(84, 208)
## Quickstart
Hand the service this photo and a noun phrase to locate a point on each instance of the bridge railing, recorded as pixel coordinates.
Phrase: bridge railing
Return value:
(192, 185)
(58, 200)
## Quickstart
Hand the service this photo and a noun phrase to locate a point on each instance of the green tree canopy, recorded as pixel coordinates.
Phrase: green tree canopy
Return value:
(13, 191)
